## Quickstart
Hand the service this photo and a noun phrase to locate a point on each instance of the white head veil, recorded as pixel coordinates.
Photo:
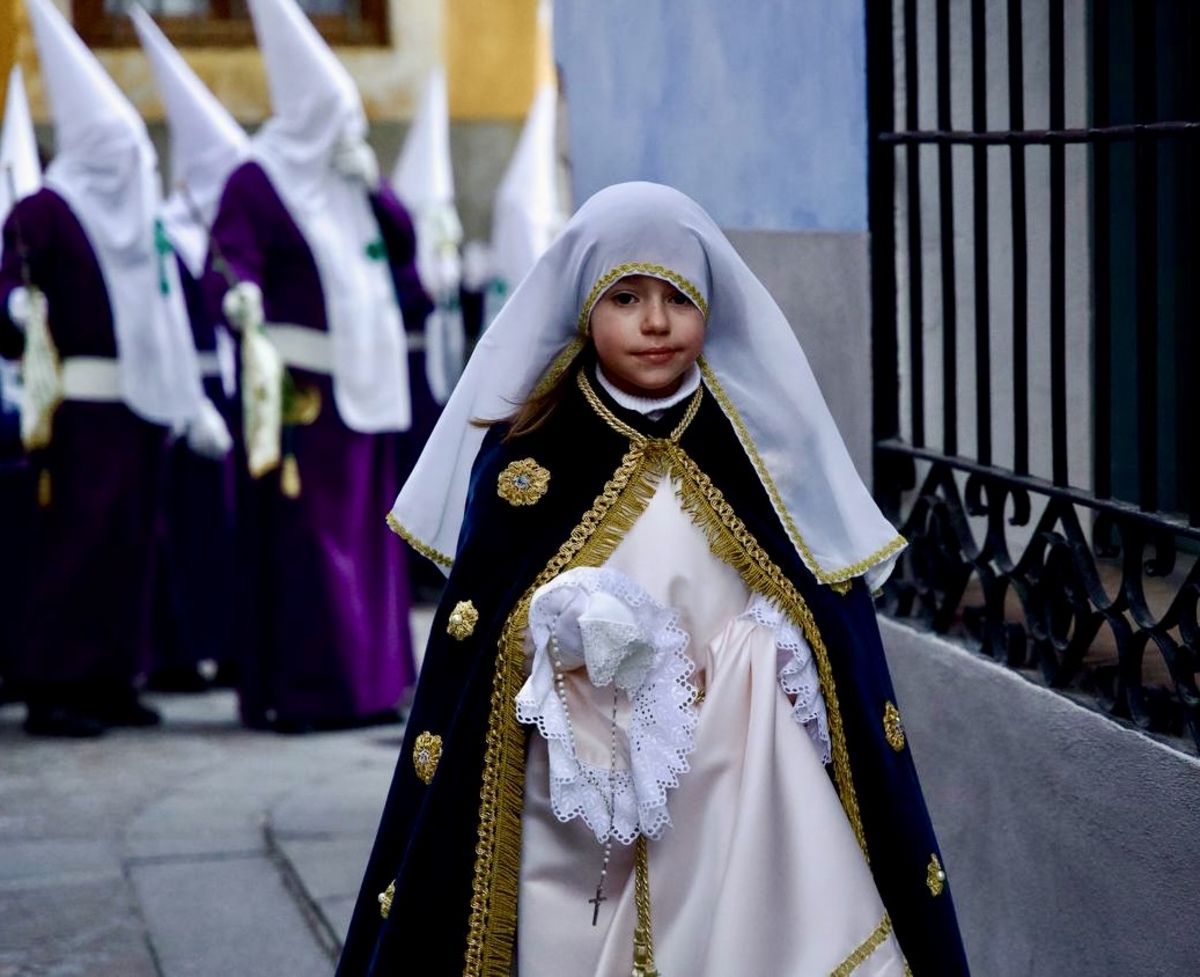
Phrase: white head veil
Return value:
(315, 105)
(106, 169)
(206, 144)
(20, 168)
(752, 363)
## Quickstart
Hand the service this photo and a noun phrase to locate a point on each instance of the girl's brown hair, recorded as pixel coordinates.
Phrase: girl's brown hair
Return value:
(536, 409)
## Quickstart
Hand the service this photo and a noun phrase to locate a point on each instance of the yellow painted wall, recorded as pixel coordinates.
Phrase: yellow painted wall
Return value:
(495, 53)
(8, 43)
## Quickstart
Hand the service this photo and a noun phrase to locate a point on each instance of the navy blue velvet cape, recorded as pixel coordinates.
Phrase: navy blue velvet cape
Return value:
(450, 849)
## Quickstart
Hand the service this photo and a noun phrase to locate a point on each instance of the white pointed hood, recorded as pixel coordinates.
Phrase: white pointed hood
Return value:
(20, 168)
(106, 169)
(527, 214)
(206, 144)
(315, 105)
(424, 180)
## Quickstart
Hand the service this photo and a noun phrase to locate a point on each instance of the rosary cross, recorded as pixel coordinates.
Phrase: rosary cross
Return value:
(598, 898)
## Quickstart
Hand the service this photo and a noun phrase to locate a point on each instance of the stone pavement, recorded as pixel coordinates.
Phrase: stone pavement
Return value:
(197, 849)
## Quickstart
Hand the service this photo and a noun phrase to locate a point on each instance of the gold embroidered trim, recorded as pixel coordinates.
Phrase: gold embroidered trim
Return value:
(632, 433)
(893, 728)
(640, 268)
(522, 482)
(385, 899)
(492, 929)
(462, 620)
(825, 576)
(907, 970)
(560, 363)
(868, 946)
(426, 551)
(935, 876)
(732, 543)
(427, 751)
(841, 587)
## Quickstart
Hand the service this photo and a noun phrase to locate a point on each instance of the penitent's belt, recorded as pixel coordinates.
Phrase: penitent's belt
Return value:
(301, 347)
(91, 378)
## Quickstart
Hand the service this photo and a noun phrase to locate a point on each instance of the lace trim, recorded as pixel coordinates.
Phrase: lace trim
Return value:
(798, 674)
(657, 738)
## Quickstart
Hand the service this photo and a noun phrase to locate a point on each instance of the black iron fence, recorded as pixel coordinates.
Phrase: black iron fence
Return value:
(1036, 310)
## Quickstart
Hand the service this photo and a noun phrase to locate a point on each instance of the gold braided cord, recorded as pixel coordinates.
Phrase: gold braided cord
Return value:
(825, 576)
(635, 436)
(732, 543)
(640, 268)
(492, 928)
(869, 946)
(426, 551)
(643, 934)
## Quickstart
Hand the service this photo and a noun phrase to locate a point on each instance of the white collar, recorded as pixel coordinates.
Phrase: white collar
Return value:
(652, 407)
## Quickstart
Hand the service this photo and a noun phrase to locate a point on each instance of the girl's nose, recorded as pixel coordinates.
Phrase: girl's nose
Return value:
(655, 319)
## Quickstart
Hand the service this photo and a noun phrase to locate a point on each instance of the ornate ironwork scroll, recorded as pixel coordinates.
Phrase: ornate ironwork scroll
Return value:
(1095, 598)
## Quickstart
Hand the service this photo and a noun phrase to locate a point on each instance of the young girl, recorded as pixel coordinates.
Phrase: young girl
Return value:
(654, 731)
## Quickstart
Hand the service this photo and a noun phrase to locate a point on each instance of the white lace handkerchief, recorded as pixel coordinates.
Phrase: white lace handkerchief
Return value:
(606, 623)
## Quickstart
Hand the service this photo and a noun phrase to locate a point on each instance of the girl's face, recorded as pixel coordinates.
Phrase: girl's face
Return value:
(647, 335)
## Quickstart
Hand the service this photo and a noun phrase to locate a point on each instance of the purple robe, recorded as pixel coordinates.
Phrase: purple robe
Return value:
(84, 629)
(194, 594)
(324, 588)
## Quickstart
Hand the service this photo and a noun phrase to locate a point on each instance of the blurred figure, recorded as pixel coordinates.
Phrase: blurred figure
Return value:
(308, 255)
(527, 214)
(91, 302)
(20, 175)
(194, 592)
(424, 181)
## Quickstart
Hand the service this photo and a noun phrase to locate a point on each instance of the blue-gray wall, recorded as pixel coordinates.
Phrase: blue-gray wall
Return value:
(757, 110)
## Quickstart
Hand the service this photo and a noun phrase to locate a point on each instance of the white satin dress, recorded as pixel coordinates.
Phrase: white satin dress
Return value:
(758, 872)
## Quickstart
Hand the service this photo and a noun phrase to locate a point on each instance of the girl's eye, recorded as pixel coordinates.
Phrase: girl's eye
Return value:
(624, 298)
(679, 299)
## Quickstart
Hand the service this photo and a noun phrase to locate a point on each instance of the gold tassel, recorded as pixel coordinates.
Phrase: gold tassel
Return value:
(44, 493)
(289, 477)
(643, 938)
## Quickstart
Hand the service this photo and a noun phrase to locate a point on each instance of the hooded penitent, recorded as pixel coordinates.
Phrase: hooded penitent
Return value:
(20, 168)
(527, 214)
(316, 107)
(424, 181)
(106, 169)
(206, 144)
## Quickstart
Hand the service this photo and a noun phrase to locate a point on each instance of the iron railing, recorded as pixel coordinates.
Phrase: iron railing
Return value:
(1085, 579)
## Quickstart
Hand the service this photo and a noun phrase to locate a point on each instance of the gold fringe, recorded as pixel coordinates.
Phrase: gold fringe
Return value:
(492, 930)
(289, 477)
(841, 575)
(426, 551)
(45, 490)
(735, 545)
(869, 946)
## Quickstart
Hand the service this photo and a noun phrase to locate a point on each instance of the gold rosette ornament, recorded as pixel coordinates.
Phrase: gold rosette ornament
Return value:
(893, 728)
(523, 482)
(462, 620)
(427, 751)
